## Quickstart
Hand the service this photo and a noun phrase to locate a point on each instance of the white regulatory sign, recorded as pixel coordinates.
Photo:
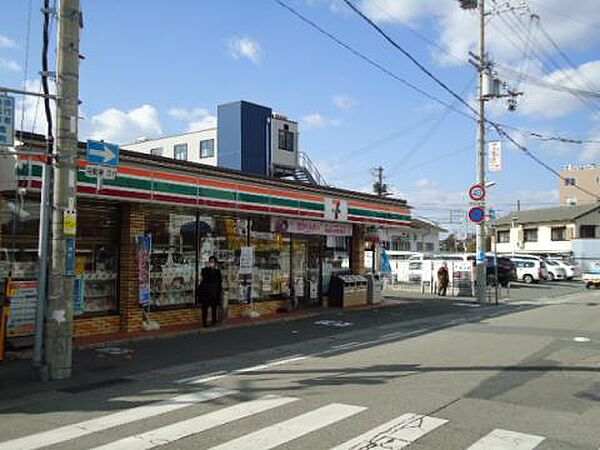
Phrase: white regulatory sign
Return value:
(104, 172)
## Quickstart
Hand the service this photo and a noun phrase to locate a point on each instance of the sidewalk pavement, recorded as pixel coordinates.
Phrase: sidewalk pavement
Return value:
(92, 366)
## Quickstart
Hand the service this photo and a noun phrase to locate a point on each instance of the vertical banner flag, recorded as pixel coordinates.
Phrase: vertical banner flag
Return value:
(495, 156)
(143, 245)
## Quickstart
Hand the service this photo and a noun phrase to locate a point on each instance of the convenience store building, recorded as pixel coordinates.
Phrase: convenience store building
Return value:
(302, 237)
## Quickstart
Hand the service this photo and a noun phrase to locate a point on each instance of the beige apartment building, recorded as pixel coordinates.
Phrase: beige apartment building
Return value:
(585, 176)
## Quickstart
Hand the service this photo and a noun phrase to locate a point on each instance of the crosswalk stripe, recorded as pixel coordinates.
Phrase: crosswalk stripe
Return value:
(185, 428)
(76, 430)
(395, 434)
(291, 429)
(507, 440)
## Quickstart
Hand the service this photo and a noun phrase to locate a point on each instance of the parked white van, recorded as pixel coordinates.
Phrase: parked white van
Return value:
(528, 270)
(539, 259)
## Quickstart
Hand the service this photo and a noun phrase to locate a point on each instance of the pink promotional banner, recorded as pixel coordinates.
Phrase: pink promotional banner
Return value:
(300, 226)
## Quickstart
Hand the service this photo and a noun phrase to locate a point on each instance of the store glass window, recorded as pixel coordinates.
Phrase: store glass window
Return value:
(96, 258)
(19, 225)
(173, 258)
(271, 276)
(223, 237)
(336, 259)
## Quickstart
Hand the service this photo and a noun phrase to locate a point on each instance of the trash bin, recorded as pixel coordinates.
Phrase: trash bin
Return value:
(374, 288)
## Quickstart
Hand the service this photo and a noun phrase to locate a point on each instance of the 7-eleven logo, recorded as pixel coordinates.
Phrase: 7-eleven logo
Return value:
(336, 209)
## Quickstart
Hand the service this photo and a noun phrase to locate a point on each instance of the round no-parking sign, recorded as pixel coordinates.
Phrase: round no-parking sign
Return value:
(477, 214)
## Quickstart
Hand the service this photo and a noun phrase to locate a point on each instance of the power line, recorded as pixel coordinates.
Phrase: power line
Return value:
(543, 55)
(369, 60)
(499, 130)
(495, 125)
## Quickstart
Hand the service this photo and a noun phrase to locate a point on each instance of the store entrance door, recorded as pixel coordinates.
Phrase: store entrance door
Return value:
(306, 269)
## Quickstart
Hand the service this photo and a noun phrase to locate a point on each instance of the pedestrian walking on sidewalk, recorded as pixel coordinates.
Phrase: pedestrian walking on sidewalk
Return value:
(443, 279)
(210, 290)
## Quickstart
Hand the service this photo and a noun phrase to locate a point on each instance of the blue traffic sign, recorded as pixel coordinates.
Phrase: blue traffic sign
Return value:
(477, 214)
(102, 154)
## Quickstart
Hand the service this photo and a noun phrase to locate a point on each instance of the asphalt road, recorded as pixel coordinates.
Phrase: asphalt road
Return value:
(428, 374)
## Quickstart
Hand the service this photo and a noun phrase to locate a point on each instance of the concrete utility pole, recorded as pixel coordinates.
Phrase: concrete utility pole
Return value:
(480, 269)
(59, 318)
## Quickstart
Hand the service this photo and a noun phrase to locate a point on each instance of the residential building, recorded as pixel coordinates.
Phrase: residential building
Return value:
(568, 231)
(423, 236)
(586, 177)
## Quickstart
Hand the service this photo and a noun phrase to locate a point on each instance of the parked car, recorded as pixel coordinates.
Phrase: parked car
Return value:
(528, 270)
(540, 261)
(506, 270)
(571, 270)
(555, 270)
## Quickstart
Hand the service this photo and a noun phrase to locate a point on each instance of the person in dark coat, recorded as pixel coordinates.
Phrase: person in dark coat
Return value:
(443, 279)
(210, 290)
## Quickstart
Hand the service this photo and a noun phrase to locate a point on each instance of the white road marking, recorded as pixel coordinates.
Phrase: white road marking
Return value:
(189, 427)
(219, 375)
(76, 430)
(280, 433)
(395, 434)
(268, 365)
(205, 378)
(507, 440)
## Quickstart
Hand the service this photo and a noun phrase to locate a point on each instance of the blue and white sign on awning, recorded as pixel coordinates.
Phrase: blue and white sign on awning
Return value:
(102, 153)
(7, 121)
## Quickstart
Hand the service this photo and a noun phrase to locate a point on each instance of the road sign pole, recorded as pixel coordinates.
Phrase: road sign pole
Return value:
(59, 320)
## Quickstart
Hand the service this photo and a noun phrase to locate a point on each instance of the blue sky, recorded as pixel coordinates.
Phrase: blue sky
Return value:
(156, 67)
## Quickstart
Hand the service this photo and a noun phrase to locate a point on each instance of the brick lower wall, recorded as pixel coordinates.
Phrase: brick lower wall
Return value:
(93, 326)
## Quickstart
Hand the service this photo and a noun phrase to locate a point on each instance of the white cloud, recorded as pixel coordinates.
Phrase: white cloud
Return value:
(9, 65)
(6, 42)
(570, 24)
(245, 48)
(188, 114)
(317, 120)
(405, 11)
(424, 182)
(197, 118)
(118, 126)
(203, 124)
(344, 101)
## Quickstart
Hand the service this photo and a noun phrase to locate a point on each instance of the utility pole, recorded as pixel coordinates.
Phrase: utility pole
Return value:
(480, 268)
(379, 186)
(59, 318)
